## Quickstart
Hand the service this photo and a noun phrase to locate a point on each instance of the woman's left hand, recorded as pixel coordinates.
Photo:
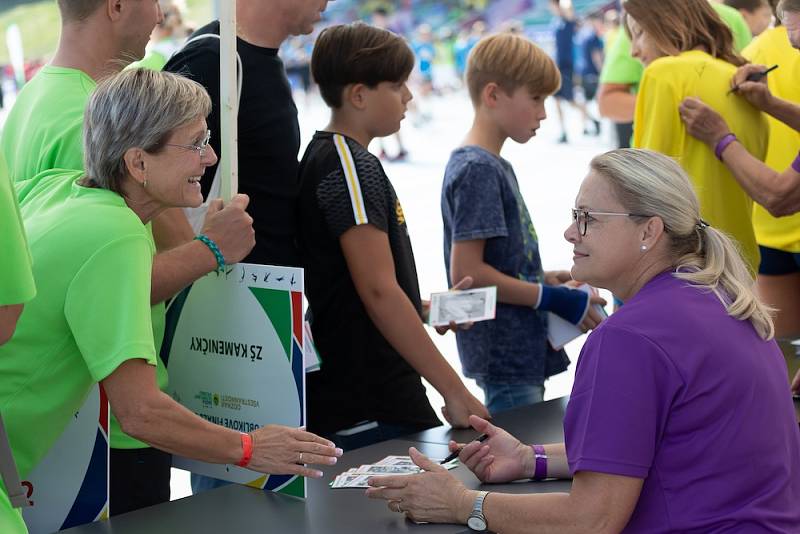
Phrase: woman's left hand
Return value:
(434, 496)
(702, 122)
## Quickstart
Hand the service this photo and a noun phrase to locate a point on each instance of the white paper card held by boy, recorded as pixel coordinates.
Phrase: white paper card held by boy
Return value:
(464, 306)
(560, 332)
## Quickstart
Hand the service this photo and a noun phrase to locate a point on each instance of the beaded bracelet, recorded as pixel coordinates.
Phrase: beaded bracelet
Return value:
(215, 249)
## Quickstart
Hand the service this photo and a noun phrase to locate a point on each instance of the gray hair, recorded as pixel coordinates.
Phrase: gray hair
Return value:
(648, 182)
(787, 6)
(137, 108)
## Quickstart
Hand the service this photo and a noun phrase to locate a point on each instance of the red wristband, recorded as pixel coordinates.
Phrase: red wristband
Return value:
(247, 450)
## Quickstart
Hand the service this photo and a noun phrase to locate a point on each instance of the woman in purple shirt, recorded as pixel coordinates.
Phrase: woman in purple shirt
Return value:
(680, 418)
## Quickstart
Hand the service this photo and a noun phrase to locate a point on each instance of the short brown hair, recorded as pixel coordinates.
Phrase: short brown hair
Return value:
(680, 25)
(78, 10)
(511, 61)
(358, 53)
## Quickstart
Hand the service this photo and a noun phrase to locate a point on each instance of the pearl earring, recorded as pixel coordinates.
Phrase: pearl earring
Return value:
(644, 247)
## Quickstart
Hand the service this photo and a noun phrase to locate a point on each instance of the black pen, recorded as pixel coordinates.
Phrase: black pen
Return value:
(453, 455)
(754, 77)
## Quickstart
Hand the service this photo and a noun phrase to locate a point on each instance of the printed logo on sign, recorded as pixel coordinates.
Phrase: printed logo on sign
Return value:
(235, 403)
(205, 398)
(216, 399)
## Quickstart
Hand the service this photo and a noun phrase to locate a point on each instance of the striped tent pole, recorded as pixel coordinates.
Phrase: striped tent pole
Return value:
(229, 101)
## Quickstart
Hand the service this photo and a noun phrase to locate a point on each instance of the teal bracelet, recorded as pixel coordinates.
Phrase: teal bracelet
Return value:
(215, 249)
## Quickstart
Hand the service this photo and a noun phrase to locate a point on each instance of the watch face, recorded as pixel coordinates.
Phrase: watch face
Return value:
(476, 523)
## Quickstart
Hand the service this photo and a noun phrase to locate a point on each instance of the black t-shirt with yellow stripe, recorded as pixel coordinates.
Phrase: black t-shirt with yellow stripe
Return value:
(362, 377)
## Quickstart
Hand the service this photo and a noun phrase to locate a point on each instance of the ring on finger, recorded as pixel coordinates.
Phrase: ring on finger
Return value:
(300, 460)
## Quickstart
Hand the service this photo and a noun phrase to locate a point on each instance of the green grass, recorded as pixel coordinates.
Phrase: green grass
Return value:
(39, 23)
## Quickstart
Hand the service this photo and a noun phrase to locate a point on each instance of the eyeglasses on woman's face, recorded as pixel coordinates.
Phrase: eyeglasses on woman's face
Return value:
(581, 217)
(200, 148)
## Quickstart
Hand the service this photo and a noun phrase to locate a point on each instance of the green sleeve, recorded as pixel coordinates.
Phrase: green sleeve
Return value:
(620, 66)
(16, 285)
(737, 24)
(107, 306)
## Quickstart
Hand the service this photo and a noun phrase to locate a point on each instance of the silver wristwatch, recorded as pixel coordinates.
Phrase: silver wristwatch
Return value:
(476, 520)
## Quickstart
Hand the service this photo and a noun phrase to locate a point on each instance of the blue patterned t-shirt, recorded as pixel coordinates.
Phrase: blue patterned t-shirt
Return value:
(481, 200)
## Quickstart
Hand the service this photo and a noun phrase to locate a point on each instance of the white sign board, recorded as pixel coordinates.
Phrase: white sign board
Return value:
(234, 342)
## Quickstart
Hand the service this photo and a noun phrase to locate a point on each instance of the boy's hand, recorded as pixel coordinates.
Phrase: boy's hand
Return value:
(464, 283)
(458, 408)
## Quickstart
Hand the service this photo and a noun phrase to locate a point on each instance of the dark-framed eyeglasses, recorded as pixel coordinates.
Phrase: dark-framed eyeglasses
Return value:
(581, 217)
(200, 149)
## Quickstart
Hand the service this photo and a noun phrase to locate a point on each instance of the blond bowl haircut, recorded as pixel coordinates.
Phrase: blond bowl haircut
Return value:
(645, 181)
(137, 108)
(511, 61)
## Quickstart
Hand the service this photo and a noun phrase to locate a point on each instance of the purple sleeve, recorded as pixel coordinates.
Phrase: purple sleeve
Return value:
(620, 402)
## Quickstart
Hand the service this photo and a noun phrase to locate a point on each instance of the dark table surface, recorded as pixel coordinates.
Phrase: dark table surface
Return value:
(238, 508)
(242, 509)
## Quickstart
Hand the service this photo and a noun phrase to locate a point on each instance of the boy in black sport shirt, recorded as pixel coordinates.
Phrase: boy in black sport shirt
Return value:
(361, 281)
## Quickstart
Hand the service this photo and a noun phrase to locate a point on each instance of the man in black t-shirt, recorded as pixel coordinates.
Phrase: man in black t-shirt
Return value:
(360, 277)
(269, 135)
(268, 132)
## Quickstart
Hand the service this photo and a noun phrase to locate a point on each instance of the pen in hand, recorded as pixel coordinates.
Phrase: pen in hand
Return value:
(754, 77)
(453, 455)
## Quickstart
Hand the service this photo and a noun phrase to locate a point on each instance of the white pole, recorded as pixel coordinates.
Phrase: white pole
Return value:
(229, 100)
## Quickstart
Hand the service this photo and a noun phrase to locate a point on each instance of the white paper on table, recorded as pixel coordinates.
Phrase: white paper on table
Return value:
(560, 331)
(463, 306)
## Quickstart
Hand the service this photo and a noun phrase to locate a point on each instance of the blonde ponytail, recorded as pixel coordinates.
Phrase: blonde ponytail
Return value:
(649, 182)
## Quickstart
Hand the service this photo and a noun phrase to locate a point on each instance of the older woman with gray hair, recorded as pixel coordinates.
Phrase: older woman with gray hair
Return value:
(146, 147)
(680, 418)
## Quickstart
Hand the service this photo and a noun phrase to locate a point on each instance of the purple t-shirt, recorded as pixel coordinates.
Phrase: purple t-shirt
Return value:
(673, 390)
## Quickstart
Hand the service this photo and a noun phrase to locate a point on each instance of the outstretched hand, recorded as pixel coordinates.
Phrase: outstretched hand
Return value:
(433, 496)
(500, 458)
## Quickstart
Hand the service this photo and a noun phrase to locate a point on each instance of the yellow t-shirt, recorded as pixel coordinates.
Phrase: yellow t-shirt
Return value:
(770, 48)
(665, 83)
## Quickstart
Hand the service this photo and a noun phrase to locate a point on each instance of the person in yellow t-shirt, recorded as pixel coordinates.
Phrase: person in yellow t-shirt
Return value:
(688, 51)
(779, 238)
(777, 191)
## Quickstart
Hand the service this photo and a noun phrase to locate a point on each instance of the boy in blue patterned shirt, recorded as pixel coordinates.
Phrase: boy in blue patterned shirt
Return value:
(489, 235)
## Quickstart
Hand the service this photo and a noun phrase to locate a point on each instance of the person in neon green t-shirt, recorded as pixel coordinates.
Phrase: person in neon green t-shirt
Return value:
(92, 258)
(675, 41)
(44, 131)
(17, 288)
(619, 79)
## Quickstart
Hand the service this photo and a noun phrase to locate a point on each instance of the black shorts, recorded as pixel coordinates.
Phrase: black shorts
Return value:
(776, 262)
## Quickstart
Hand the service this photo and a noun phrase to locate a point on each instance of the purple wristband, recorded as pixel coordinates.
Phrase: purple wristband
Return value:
(796, 164)
(722, 144)
(540, 472)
